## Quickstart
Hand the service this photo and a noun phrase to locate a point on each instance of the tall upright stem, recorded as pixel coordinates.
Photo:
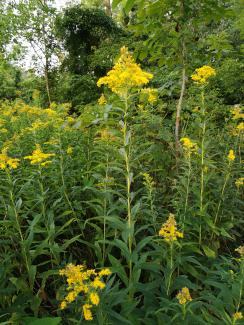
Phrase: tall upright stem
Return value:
(16, 215)
(202, 164)
(126, 144)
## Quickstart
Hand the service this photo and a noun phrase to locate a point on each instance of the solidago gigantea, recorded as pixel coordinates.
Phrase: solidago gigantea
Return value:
(202, 74)
(7, 162)
(169, 230)
(184, 296)
(39, 157)
(86, 283)
(239, 182)
(231, 155)
(238, 315)
(125, 75)
(189, 146)
(240, 250)
(102, 100)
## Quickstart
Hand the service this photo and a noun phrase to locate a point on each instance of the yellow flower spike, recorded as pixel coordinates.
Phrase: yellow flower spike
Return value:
(125, 75)
(102, 100)
(151, 94)
(240, 250)
(184, 296)
(7, 162)
(237, 113)
(231, 156)
(63, 305)
(202, 74)
(94, 298)
(39, 157)
(169, 230)
(69, 150)
(85, 282)
(239, 182)
(240, 126)
(237, 316)
(104, 272)
(189, 146)
(87, 312)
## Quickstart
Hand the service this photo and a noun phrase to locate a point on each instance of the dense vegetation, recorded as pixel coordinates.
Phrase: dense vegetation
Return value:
(121, 153)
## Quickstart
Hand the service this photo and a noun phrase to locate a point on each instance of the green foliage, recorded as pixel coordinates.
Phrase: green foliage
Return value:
(113, 176)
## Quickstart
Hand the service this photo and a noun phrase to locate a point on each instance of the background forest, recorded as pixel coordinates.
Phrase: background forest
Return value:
(121, 162)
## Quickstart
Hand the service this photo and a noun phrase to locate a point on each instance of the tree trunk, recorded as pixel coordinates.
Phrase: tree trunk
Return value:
(108, 8)
(178, 109)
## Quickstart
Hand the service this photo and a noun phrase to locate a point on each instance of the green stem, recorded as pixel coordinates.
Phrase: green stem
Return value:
(187, 190)
(11, 194)
(222, 194)
(126, 144)
(61, 165)
(241, 284)
(105, 209)
(171, 267)
(202, 166)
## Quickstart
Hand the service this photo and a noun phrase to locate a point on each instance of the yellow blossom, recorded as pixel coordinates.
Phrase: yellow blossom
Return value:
(39, 157)
(3, 130)
(63, 305)
(86, 282)
(69, 150)
(87, 312)
(97, 283)
(104, 272)
(102, 100)
(231, 156)
(239, 182)
(240, 126)
(184, 296)
(151, 94)
(240, 250)
(202, 74)
(237, 113)
(125, 75)
(94, 298)
(238, 315)
(7, 162)
(169, 230)
(189, 146)
(105, 135)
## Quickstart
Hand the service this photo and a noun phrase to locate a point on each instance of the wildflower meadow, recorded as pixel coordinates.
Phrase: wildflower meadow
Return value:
(121, 162)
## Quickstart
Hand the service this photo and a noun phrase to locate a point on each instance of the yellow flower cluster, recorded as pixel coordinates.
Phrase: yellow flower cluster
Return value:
(184, 296)
(238, 315)
(102, 100)
(69, 150)
(105, 135)
(169, 230)
(125, 75)
(189, 146)
(151, 94)
(202, 74)
(240, 250)
(7, 162)
(148, 181)
(231, 156)
(239, 182)
(237, 113)
(39, 157)
(86, 282)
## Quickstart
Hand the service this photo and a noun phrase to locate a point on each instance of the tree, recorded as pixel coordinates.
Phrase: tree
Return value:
(173, 33)
(36, 26)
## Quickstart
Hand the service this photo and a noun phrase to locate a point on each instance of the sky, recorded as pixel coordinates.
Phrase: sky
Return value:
(61, 3)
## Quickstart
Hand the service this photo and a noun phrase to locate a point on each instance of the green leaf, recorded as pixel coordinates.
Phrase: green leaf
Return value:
(209, 252)
(42, 321)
